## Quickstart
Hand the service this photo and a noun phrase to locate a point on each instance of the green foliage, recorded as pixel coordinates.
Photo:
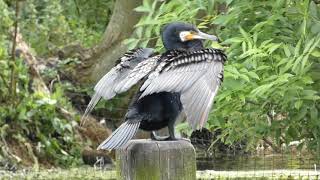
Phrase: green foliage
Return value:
(34, 117)
(271, 86)
(158, 14)
(51, 24)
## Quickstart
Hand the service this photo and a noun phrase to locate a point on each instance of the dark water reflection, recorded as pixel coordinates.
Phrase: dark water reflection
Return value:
(243, 161)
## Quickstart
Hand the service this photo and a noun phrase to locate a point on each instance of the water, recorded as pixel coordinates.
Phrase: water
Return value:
(242, 162)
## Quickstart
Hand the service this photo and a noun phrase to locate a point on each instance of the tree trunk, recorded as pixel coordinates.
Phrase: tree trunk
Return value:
(103, 56)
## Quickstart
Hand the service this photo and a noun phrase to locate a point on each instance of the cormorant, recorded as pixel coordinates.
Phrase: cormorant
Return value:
(184, 78)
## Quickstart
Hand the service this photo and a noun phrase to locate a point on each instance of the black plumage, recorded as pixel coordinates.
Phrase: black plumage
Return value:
(185, 78)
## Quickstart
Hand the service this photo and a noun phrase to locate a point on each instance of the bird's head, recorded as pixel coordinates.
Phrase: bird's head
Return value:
(178, 35)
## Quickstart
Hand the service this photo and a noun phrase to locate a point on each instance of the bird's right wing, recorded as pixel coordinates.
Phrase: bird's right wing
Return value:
(131, 68)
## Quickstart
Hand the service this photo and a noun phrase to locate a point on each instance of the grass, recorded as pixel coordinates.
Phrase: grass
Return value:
(92, 173)
(73, 173)
(259, 174)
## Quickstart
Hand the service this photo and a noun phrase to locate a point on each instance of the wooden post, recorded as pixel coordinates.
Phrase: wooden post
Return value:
(142, 159)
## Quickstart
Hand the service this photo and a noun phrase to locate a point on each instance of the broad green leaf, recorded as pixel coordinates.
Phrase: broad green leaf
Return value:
(244, 46)
(304, 62)
(274, 47)
(266, 42)
(142, 9)
(314, 113)
(286, 50)
(298, 104)
(307, 47)
(253, 75)
(233, 40)
(316, 53)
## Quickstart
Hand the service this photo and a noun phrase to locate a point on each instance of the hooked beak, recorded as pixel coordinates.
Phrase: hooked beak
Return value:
(187, 36)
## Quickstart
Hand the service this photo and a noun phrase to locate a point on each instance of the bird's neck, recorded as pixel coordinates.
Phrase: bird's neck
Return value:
(187, 46)
(194, 45)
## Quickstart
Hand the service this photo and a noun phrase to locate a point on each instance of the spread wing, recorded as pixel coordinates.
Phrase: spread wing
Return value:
(130, 69)
(195, 75)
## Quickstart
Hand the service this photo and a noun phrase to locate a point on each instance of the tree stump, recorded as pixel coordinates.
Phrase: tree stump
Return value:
(142, 159)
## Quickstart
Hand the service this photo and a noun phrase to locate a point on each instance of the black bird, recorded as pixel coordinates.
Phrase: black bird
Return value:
(185, 78)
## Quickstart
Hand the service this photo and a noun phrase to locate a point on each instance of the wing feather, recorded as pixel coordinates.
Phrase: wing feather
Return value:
(199, 98)
(195, 75)
(131, 68)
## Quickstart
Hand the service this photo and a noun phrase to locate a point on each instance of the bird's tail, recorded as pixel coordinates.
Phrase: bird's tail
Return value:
(120, 136)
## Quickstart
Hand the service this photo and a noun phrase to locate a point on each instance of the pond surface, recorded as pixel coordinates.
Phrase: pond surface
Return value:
(243, 162)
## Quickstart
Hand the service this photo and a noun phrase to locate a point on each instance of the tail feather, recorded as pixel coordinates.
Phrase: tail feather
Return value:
(126, 138)
(120, 136)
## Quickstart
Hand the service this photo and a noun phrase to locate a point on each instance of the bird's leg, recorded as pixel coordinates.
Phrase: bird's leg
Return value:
(155, 137)
(171, 131)
(171, 134)
(165, 138)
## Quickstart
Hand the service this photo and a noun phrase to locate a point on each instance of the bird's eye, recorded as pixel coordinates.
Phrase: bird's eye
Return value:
(186, 35)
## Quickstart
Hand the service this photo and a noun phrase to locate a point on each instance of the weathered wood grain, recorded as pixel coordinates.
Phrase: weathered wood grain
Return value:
(156, 160)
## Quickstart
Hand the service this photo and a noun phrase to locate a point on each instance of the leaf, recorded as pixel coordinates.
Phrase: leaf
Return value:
(293, 132)
(283, 61)
(46, 101)
(313, 9)
(264, 43)
(216, 45)
(245, 77)
(298, 104)
(154, 5)
(304, 62)
(253, 75)
(296, 63)
(314, 113)
(315, 28)
(263, 67)
(307, 80)
(287, 66)
(222, 19)
(141, 9)
(274, 47)
(307, 47)
(297, 49)
(139, 32)
(229, 2)
(247, 37)
(259, 25)
(233, 40)
(261, 90)
(244, 46)
(301, 114)
(286, 50)
(315, 53)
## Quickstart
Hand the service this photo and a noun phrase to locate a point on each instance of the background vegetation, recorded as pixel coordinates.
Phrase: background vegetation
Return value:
(271, 87)
(270, 92)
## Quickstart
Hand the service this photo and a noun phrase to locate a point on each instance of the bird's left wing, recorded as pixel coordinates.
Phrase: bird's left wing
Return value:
(195, 75)
(130, 69)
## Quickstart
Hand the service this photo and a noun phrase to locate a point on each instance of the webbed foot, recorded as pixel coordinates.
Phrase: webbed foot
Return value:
(161, 138)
